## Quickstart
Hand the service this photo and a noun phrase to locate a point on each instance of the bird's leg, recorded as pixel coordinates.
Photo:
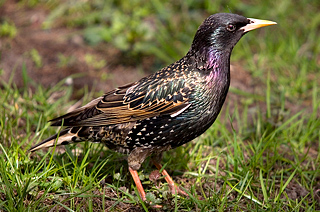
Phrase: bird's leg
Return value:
(141, 191)
(135, 159)
(137, 181)
(174, 188)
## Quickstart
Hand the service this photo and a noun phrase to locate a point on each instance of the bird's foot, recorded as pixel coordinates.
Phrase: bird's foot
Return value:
(176, 190)
(173, 187)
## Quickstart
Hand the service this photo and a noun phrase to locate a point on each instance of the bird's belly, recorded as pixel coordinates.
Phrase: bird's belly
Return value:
(165, 131)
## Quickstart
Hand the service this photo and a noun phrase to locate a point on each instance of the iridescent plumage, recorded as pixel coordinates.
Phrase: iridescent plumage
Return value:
(166, 109)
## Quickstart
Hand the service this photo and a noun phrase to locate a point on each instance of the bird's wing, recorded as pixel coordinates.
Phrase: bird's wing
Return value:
(130, 103)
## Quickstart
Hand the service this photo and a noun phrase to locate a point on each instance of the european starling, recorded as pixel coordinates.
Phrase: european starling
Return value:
(166, 109)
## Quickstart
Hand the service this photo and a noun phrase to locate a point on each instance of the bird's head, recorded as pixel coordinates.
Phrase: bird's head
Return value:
(222, 31)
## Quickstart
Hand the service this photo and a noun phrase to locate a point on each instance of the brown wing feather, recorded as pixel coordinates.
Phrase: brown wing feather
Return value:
(112, 109)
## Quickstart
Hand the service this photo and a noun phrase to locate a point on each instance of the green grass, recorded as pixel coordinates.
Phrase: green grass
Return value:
(245, 169)
(262, 153)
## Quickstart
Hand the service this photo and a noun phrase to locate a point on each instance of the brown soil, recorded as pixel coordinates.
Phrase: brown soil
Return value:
(53, 43)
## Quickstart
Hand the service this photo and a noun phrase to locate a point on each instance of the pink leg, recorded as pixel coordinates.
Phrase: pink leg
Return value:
(137, 181)
(141, 191)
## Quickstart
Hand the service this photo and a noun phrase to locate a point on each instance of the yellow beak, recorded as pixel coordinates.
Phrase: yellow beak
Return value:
(256, 23)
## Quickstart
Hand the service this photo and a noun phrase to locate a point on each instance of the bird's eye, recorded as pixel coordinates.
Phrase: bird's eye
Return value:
(231, 27)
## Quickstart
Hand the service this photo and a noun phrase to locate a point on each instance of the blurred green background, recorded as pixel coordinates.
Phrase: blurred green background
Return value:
(162, 31)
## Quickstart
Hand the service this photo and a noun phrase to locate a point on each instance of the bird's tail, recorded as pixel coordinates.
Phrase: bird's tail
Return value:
(63, 138)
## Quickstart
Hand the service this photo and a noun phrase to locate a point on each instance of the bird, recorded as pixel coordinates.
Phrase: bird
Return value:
(166, 109)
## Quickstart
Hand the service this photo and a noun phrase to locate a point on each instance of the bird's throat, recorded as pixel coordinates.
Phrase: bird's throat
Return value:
(213, 58)
(217, 66)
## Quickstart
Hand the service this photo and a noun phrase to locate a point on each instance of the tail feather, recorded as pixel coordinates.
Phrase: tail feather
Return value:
(65, 137)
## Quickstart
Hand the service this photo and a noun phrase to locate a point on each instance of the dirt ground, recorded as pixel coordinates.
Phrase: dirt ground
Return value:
(53, 43)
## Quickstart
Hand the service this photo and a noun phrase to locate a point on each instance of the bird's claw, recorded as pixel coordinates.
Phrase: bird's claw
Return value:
(176, 190)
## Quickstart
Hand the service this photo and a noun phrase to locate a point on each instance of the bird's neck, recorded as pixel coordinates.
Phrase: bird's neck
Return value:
(211, 62)
(213, 67)
(208, 58)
